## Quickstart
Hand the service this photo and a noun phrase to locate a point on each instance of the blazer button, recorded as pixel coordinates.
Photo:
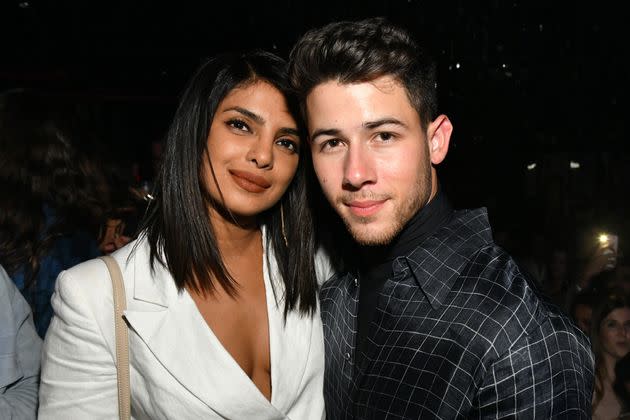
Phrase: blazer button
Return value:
(347, 356)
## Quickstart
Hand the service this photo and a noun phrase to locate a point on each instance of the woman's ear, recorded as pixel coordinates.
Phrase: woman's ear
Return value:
(439, 136)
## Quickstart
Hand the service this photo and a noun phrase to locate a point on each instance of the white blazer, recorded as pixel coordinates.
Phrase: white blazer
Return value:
(179, 369)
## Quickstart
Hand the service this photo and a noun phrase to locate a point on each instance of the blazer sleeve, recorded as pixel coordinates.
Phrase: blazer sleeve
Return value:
(78, 379)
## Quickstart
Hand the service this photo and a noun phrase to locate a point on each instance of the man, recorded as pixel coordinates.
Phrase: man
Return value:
(431, 319)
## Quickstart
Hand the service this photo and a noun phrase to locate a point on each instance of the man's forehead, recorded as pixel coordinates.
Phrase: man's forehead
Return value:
(358, 104)
(387, 84)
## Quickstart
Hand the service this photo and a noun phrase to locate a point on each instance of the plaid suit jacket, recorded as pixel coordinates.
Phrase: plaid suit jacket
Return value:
(458, 333)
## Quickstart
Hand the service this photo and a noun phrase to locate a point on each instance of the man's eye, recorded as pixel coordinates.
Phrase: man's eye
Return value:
(385, 136)
(238, 124)
(330, 144)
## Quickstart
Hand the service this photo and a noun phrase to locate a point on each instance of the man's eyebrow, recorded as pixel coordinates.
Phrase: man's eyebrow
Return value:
(370, 125)
(325, 132)
(249, 114)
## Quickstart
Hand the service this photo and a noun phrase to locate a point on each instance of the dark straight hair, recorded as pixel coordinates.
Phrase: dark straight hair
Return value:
(177, 224)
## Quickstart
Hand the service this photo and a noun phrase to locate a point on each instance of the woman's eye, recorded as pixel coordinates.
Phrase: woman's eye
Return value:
(288, 144)
(238, 124)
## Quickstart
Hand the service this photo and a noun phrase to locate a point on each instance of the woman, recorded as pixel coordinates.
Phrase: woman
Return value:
(221, 285)
(610, 338)
(53, 195)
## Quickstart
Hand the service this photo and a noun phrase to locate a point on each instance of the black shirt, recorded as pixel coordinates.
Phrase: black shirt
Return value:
(377, 260)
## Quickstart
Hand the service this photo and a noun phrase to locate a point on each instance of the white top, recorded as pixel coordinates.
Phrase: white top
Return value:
(179, 369)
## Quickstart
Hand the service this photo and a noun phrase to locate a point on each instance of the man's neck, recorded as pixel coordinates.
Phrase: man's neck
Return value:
(435, 214)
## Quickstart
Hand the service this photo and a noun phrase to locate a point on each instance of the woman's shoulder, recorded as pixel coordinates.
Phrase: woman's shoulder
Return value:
(323, 265)
(91, 279)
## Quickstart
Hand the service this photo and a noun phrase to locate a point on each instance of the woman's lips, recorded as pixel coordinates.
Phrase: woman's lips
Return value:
(250, 182)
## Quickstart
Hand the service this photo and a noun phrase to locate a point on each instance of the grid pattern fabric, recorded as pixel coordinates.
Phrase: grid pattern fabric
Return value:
(458, 332)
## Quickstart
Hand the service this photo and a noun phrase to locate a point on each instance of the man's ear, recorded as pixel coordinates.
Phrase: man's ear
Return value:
(439, 136)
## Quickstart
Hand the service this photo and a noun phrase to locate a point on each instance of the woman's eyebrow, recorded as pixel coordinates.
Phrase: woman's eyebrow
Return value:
(288, 131)
(257, 118)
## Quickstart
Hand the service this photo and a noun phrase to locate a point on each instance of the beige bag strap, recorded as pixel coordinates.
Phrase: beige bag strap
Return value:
(122, 338)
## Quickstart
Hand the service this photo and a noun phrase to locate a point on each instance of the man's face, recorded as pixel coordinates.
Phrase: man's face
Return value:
(372, 156)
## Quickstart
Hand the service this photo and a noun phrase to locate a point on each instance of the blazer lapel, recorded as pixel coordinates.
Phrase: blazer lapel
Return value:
(174, 331)
(290, 342)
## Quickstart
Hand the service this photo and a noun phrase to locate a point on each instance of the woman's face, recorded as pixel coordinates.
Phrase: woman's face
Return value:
(614, 333)
(253, 146)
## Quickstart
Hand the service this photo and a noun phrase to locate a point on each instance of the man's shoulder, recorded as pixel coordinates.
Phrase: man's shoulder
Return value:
(493, 282)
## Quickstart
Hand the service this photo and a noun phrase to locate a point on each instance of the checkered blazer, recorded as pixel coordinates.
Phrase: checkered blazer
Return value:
(458, 333)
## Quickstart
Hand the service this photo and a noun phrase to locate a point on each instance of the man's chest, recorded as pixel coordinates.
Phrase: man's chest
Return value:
(418, 359)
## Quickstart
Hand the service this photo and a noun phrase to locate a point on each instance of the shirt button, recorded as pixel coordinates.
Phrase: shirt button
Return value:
(347, 356)
(356, 282)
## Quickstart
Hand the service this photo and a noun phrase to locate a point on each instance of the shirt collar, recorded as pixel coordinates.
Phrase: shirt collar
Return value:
(437, 262)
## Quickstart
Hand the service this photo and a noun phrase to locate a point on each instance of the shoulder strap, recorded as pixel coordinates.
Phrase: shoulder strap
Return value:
(122, 338)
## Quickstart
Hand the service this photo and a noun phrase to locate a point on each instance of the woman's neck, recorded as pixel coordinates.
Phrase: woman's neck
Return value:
(234, 236)
(609, 363)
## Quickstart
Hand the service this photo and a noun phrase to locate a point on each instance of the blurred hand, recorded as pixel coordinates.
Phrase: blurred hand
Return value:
(602, 258)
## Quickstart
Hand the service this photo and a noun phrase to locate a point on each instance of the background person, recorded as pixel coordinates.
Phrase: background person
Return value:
(20, 348)
(611, 342)
(54, 191)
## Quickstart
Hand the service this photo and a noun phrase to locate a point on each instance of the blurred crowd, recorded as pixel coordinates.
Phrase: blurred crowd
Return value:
(585, 273)
(68, 197)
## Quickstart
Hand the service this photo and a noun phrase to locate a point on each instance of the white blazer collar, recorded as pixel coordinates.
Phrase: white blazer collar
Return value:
(170, 325)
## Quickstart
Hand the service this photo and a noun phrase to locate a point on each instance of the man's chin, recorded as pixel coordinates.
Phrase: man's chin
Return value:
(370, 235)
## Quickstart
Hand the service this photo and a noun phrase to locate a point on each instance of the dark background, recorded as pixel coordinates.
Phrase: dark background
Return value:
(524, 82)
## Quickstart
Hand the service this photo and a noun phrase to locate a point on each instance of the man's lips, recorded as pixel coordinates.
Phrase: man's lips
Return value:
(365, 207)
(249, 181)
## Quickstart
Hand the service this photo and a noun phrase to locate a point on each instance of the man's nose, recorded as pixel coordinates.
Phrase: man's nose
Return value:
(358, 168)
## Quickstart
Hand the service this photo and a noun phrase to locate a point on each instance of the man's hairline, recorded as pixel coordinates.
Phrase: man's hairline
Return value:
(397, 79)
